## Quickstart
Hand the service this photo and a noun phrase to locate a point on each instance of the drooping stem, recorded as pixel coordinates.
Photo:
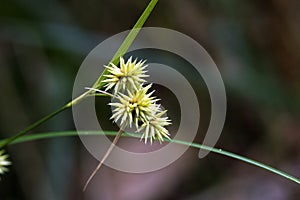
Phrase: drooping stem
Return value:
(38, 136)
(240, 158)
(104, 157)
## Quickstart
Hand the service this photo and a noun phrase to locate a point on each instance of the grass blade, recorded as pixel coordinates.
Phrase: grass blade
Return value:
(128, 40)
(38, 136)
(120, 52)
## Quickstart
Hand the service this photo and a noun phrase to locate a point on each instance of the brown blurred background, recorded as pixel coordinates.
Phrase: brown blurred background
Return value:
(255, 44)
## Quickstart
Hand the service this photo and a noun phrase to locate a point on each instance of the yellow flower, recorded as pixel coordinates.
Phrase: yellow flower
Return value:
(134, 107)
(132, 103)
(3, 162)
(126, 77)
(155, 127)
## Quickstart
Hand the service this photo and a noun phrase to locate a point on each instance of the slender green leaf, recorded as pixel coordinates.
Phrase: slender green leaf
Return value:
(128, 40)
(98, 84)
(38, 136)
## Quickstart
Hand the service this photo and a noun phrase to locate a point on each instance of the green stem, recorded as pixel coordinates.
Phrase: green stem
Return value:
(128, 41)
(98, 84)
(42, 120)
(26, 138)
(241, 158)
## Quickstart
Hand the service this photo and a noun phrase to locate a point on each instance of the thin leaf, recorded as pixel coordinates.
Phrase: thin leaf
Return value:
(38, 136)
(128, 40)
(98, 84)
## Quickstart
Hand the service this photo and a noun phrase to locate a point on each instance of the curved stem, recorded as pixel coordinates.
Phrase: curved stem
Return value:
(26, 138)
(241, 158)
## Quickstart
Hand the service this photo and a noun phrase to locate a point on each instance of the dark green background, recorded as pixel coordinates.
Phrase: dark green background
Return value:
(255, 44)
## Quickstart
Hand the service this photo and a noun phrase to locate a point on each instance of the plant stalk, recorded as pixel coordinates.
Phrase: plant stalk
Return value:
(38, 136)
(42, 120)
(98, 84)
(104, 157)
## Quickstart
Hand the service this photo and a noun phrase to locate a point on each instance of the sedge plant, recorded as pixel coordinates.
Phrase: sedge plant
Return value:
(134, 105)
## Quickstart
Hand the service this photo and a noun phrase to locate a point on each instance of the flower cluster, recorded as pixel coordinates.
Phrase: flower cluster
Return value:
(4, 162)
(128, 77)
(134, 104)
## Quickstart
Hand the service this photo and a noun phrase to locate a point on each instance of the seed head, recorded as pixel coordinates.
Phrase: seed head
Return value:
(133, 103)
(127, 77)
(155, 127)
(4, 162)
(134, 107)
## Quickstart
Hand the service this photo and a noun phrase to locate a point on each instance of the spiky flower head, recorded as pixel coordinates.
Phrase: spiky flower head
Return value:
(154, 128)
(134, 107)
(126, 77)
(4, 162)
(132, 102)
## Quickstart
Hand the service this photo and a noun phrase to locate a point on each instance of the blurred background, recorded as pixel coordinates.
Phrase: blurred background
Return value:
(255, 44)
